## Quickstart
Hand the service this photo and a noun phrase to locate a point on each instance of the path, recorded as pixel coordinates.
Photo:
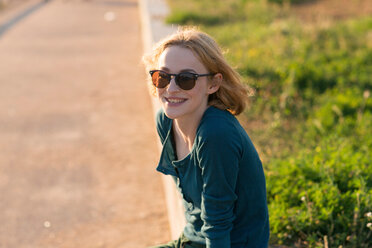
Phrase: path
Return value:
(77, 142)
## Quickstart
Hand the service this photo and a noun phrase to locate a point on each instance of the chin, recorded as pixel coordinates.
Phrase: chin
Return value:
(172, 114)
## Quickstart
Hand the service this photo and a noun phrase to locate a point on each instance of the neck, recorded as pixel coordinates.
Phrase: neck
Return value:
(185, 128)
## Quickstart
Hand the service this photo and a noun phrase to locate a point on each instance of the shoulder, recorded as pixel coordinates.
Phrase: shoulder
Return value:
(219, 137)
(221, 134)
(218, 122)
(161, 118)
(220, 127)
(163, 124)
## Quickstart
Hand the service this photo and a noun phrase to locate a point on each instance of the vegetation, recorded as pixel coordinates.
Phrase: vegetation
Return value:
(310, 116)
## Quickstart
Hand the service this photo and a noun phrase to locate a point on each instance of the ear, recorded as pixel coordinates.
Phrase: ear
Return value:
(215, 83)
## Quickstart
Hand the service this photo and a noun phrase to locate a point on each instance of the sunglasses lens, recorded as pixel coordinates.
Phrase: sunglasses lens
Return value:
(160, 79)
(185, 81)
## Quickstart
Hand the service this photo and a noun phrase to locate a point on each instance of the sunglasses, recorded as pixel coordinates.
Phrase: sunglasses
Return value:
(184, 80)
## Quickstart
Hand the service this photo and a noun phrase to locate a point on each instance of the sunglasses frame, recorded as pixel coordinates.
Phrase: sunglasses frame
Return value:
(176, 77)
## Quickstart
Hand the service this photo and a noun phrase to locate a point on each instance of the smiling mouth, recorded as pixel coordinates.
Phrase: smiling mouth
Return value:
(175, 100)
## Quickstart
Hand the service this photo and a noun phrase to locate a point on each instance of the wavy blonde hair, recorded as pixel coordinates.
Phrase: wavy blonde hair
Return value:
(232, 95)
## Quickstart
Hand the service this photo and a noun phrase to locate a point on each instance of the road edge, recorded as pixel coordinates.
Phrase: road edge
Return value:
(152, 14)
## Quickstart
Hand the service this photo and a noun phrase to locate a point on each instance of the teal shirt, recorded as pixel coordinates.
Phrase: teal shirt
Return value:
(221, 181)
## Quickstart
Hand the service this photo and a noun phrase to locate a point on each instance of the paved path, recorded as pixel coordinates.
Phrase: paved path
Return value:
(77, 142)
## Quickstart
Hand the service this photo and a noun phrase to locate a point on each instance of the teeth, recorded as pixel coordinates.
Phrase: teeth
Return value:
(171, 100)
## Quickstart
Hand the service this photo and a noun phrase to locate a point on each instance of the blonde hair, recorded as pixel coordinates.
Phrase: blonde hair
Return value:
(231, 95)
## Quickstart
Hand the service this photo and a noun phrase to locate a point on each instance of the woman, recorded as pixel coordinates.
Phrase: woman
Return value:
(214, 163)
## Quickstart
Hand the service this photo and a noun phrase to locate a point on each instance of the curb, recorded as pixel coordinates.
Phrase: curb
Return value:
(153, 13)
(19, 12)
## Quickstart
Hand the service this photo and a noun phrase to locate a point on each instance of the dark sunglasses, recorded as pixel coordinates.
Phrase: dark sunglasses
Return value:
(184, 80)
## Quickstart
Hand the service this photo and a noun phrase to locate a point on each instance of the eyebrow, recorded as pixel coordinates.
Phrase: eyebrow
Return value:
(183, 70)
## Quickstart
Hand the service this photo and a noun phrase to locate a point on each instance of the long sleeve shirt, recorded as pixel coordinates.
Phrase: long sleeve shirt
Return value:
(221, 181)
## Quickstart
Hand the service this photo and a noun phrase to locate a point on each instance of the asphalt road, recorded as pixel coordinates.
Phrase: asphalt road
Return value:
(77, 138)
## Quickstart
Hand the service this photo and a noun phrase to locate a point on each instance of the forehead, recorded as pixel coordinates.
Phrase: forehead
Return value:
(176, 58)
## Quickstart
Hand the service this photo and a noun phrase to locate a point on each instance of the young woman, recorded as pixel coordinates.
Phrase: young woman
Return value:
(213, 161)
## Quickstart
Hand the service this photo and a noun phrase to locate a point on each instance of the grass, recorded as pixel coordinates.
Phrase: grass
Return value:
(310, 117)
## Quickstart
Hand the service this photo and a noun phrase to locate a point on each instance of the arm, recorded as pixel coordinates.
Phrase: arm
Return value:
(219, 155)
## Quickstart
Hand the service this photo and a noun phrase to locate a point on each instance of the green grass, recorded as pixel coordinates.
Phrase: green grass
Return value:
(310, 117)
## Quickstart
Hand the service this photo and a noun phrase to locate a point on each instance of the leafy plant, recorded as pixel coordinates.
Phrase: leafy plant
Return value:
(310, 116)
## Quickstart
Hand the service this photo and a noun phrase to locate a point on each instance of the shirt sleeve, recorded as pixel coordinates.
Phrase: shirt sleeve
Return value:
(219, 154)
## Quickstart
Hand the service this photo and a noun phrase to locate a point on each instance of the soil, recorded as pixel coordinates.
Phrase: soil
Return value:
(319, 10)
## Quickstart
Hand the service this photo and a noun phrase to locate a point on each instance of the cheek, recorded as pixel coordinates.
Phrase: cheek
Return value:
(159, 92)
(200, 89)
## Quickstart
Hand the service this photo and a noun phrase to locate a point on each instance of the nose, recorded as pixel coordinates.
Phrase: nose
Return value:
(172, 87)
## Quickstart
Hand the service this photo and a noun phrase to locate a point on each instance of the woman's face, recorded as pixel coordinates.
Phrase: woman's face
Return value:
(176, 102)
